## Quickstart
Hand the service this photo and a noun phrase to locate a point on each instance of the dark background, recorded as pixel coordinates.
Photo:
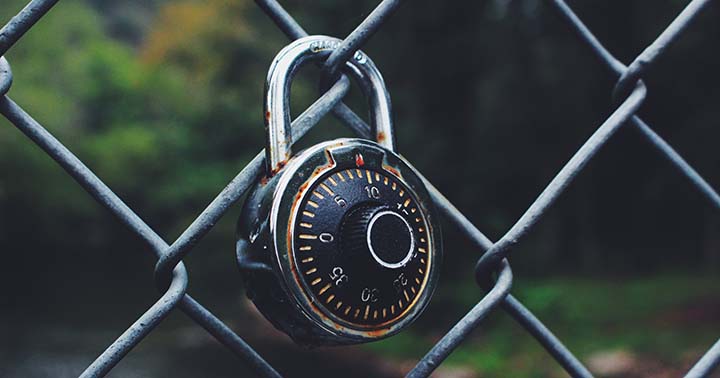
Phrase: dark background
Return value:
(163, 101)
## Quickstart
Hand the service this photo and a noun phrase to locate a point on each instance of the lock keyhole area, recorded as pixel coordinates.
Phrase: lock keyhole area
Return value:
(385, 234)
(389, 238)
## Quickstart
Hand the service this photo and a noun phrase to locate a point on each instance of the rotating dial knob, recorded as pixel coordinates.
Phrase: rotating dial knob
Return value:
(380, 233)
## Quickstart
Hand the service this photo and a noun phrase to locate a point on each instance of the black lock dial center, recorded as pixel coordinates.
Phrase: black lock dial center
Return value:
(382, 233)
(389, 239)
(362, 246)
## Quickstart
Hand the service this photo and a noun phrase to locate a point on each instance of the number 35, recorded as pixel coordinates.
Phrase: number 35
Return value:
(338, 277)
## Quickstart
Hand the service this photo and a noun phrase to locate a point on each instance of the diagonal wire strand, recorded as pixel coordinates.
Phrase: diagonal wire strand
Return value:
(356, 39)
(511, 305)
(462, 329)
(242, 182)
(22, 22)
(98, 190)
(90, 182)
(656, 140)
(559, 183)
(567, 360)
(170, 268)
(709, 361)
(293, 30)
(656, 49)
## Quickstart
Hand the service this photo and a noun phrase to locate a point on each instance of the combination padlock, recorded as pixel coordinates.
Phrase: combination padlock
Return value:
(338, 244)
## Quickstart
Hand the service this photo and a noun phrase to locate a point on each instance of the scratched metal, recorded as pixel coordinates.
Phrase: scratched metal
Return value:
(171, 276)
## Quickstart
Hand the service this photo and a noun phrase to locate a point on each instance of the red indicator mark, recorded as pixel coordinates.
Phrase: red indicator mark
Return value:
(359, 161)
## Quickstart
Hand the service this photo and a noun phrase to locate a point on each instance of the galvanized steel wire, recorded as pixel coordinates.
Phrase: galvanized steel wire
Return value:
(492, 271)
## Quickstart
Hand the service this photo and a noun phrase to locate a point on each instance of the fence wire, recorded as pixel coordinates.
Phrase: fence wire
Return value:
(492, 271)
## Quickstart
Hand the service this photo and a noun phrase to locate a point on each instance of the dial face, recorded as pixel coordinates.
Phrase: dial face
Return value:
(360, 247)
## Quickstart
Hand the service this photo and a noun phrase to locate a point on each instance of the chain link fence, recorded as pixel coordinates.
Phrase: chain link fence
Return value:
(492, 271)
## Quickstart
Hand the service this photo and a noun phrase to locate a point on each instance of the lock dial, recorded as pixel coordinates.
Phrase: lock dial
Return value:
(360, 246)
(342, 246)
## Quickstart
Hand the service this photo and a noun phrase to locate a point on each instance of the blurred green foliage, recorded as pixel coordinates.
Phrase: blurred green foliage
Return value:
(669, 318)
(166, 109)
(162, 100)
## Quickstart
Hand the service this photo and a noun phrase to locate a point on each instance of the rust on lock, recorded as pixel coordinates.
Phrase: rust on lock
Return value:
(359, 161)
(381, 137)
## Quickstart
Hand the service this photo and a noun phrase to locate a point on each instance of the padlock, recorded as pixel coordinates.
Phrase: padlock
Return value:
(339, 243)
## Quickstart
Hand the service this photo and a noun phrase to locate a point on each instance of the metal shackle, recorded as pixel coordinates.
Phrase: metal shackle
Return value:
(277, 95)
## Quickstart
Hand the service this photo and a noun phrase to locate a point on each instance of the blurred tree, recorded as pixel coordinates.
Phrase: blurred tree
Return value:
(162, 99)
(167, 111)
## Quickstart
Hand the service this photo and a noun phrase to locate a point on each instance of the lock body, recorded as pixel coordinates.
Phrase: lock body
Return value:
(337, 244)
(342, 246)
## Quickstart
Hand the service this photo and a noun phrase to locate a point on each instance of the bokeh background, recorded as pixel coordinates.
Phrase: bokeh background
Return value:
(162, 99)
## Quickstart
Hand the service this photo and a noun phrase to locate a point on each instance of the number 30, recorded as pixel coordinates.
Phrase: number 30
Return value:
(370, 295)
